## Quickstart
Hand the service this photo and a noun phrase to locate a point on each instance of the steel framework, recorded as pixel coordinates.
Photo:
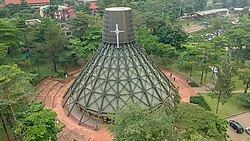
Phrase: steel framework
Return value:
(114, 77)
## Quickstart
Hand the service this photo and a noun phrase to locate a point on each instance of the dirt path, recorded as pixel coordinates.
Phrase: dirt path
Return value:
(193, 28)
(52, 91)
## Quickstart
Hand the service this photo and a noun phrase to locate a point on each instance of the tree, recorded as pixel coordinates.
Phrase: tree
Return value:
(91, 40)
(28, 13)
(80, 24)
(219, 42)
(9, 35)
(200, 55)
(37, 55)
(152, 46)
(188, 58)
(15, 87)
(50, 10)
(244, 75)
(166, 52)
(4, 12)
(3, 50)
(55, 41)
(171, 34)
(191, 119)
(56, 2)
(148, 41)
(82, 7)
(135, 123)
(207, 56)
(36, 124)
(200, 4)
(80, 48)
(245, 99)
(181, 122)
(198, 137)
(239, 36)
(72, 52)
(218, 25)
(190, 6)
(223, 85)
(112, 3)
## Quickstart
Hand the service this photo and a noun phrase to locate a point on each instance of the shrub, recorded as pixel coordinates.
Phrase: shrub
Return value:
(38, 79)
(200, 101)
(193, 84)
(61, 73)
(245, 99)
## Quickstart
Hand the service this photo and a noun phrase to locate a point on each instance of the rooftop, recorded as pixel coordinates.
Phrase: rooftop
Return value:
(92, 5)
(238, 9)
(213, 11)
(28, 1)
(118, 9)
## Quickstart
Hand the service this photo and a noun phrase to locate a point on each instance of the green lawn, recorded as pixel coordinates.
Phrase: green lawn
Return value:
(238, 83)
(196, 75)
(232, 107)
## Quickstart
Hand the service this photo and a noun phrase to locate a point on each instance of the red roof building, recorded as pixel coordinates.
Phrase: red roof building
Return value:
(93, 7)
(31, 2)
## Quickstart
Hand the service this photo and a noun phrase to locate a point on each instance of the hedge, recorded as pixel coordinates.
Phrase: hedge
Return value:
(200, 101)
(193, 84)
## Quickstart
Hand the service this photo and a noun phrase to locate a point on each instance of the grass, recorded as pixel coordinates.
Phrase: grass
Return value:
(45, 69)
(238, 83)
(196, 75)
(232, 107)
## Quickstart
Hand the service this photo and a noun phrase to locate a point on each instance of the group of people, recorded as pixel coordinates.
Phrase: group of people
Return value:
(174, 77)
(171, 76)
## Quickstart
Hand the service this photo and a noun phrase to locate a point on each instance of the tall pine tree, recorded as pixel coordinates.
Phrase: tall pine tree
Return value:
(224, 85)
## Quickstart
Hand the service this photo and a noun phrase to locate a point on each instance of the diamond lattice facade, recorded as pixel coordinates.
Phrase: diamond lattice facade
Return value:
(118, 73)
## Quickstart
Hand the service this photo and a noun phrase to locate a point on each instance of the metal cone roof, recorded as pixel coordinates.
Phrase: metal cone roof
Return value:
(118, 74)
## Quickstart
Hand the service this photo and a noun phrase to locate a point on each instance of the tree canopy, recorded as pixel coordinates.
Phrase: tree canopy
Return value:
(184, 122)
(134, 123)
(15, 87)
(35, 123)
(193, 119)
(224, 85)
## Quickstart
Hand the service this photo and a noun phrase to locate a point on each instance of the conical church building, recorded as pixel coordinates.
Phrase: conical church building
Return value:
(119, 73)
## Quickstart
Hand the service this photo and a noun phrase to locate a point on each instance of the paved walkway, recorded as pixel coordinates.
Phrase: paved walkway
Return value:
(51, 93)
(180, 81)
(243, 119)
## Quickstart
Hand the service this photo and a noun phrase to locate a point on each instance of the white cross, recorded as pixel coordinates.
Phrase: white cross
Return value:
(117, 31)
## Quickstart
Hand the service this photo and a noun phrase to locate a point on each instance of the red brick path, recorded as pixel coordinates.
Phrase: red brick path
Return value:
(180, 81)
(52, 91)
